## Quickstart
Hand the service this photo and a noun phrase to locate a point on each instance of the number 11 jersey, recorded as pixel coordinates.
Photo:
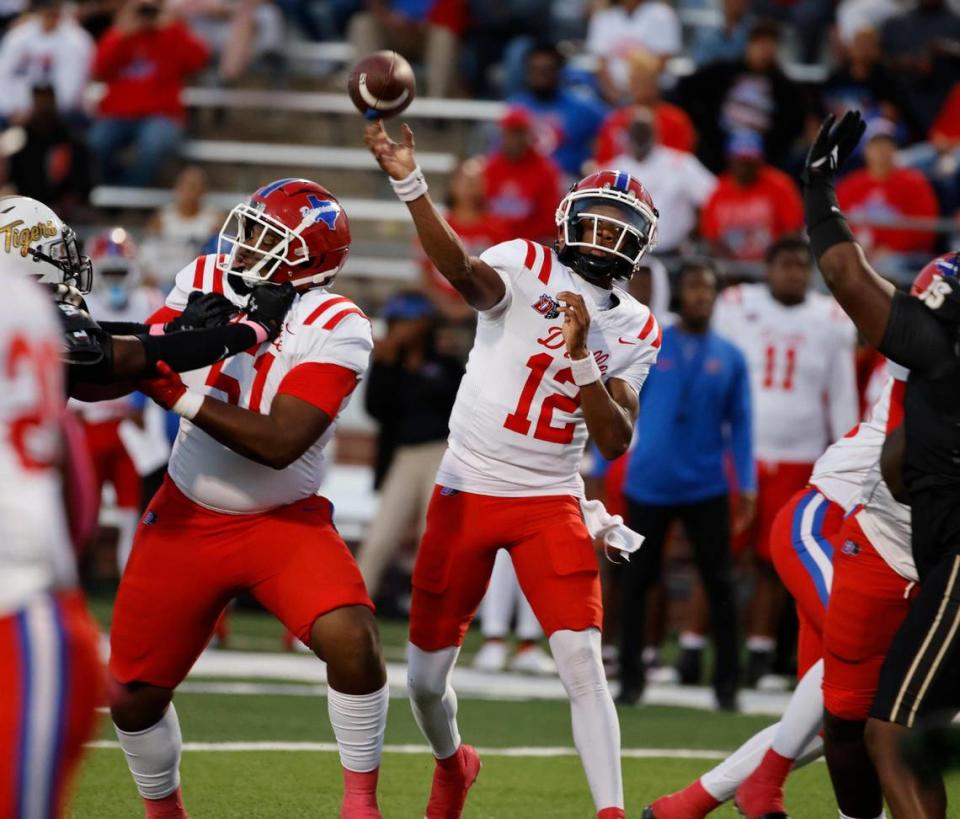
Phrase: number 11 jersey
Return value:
(517, 428)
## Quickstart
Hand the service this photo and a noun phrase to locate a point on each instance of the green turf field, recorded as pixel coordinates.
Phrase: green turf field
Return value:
(297, 783)
(286, 784)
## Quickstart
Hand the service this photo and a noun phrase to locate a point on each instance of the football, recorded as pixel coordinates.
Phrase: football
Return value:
(382, 85)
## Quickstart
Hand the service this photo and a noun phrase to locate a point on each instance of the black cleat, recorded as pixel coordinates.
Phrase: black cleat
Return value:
(690, 666)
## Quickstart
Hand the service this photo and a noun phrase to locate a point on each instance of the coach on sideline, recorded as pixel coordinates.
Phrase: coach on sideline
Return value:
(920, 678)
(695, 407)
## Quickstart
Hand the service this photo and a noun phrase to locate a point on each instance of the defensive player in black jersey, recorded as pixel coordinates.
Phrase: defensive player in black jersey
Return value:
(921, 676)
(105, 360)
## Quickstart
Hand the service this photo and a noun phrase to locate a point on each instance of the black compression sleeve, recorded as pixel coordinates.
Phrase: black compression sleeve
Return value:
(914, 338)
(826, 224)
(193, 349)
(123, 328)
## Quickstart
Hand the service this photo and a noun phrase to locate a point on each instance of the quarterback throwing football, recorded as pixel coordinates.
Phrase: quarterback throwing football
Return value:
(561, 353)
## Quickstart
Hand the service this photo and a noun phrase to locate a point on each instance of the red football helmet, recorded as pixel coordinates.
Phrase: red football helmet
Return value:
(114, 253)
(938, 286)
(622, 241)
(292, 230)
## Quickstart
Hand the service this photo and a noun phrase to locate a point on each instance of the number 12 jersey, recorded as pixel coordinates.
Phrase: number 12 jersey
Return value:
(517, 428)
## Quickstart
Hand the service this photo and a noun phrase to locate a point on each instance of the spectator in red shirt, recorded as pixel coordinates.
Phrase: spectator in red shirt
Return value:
(478, 230)
(883, 193)
(753, 205)
(673, 126)
(522, 185)
(143, 60)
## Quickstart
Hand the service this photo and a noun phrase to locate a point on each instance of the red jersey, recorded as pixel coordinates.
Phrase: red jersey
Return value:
(904, 193)
(523, 194)
(144, 72)
(947, 123)
(747, 220)
(674, 130)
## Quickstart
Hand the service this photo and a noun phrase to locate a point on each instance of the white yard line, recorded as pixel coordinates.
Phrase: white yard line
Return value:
(524, 751)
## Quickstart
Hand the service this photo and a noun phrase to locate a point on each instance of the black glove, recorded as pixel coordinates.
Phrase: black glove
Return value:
(203, 310)
(826, 224)
(269, 304)
(833, 146)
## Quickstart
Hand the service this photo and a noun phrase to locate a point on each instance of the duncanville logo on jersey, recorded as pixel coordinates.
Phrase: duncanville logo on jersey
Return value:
(547, 307)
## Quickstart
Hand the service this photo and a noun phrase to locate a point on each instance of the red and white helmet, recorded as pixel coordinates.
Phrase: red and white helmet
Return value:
(114, 253)
(292, 230)
(628, 236)
(937, 285)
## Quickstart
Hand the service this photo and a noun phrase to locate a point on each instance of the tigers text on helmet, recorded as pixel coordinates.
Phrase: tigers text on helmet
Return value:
(292, 230)
(35, 242)
(595, 242)
(938, 286)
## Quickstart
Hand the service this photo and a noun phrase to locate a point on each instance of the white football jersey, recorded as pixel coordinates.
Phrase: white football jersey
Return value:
(802, 372)
(143, 303)
(517, 428)
(884, 520)
(35, 550)
(320, 328)
(840, 472)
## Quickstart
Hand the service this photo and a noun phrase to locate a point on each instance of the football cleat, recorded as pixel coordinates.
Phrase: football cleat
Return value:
(452, 778)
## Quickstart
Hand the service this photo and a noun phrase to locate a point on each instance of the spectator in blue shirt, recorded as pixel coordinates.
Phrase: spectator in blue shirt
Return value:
(565, 121)
(695, 409)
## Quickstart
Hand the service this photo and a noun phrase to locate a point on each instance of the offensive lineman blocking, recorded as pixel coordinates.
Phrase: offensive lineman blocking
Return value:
(238, 508)
(535, 386)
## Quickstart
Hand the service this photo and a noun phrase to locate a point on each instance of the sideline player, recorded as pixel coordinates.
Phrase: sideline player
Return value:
(800, 350)
(238, 508)
(921, 677)
(822, 553)
(50, 674)
(560, 353)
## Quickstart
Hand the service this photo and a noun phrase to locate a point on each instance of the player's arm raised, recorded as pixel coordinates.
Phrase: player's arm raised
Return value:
(610, 410)
(864, 295)
(478, 283)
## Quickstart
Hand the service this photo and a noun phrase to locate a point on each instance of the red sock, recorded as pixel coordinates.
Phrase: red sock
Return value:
(454, 762)
(170, 807)
(774, 768)
(612, 813)
(762, 791)
(523, 645)
(363, 784)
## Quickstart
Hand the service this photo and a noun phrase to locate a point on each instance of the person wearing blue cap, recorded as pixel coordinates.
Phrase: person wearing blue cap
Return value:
(410, 392)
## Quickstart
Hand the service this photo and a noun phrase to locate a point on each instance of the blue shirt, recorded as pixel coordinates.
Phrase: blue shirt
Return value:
(566, 125)
(694, 408)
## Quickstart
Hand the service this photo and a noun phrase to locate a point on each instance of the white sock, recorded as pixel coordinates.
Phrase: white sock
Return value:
(596, 731)
(127, 520)
(761, 644)
(722, 781)
(501, 598)
(153, 755)
(358, 722)
(690, 639)
(802, 720)
(432, 698)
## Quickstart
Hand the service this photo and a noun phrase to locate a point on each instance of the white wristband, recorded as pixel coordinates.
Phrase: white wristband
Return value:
(188, 405)
(585, 370)
(411, 187)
